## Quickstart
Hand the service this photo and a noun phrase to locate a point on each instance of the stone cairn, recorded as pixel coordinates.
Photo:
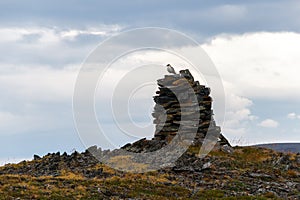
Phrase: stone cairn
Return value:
(168, 111)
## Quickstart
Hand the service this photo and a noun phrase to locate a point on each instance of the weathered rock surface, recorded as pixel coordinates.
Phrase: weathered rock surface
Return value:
(248, 171)
(183, 107)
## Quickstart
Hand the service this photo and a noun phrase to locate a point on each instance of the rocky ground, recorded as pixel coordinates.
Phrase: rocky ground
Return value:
(240, 173)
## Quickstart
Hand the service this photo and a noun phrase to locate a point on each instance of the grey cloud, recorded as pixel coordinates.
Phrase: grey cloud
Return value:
(45, 46)
(205, 17)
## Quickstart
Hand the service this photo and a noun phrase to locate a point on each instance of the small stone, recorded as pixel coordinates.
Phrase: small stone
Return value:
(261, 190)
(289, 184)
(227, 149)
(297, 187)
(36, 157)
(206, 165)
(257, 175)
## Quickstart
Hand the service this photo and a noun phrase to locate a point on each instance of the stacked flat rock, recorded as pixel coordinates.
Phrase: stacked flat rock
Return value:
(178, 101)
(181, 102)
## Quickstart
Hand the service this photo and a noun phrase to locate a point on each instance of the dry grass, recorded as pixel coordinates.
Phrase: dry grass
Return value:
(152, 185)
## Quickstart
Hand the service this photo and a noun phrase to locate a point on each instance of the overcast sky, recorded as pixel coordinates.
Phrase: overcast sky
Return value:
(254, 44)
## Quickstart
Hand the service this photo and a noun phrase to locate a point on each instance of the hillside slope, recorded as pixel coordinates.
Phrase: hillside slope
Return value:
(282, 147)
(246, 173)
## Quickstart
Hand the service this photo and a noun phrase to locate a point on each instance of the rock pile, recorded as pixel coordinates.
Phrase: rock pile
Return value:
(52, 164)
(175, 102)
(182, 105)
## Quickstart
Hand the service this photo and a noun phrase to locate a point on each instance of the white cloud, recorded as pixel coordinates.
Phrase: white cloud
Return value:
(105, 30)
(260, 65)
(256, 66)
(35, 98)
(238, 113)
(50, 46)
(13, 34)
(292, 116)
(269, 123)
(250, 66)
(36, 83)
